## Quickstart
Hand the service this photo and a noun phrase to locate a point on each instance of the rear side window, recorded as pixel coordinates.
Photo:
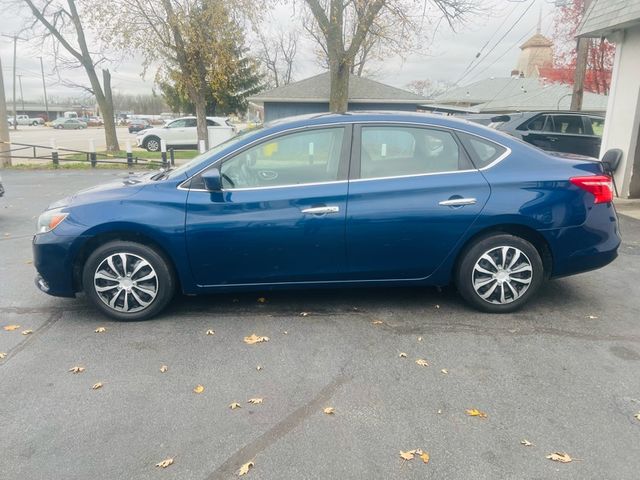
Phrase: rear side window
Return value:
(398, 151)
(568, 124)
(211, 123)
(597, 124)
(540, 123)
(483, 152)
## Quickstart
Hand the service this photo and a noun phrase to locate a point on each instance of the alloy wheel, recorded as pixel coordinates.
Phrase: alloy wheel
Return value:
(502, 275)
(126, 282)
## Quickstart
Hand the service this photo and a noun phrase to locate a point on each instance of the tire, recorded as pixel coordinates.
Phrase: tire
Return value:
(152, 144)
(35, 124)
(148, 288)
(492, 283)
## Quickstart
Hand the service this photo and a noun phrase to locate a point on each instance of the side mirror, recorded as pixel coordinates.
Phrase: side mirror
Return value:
(212, 180)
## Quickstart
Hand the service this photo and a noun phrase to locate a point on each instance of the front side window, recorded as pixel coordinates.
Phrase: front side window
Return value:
(540, 123)
(292, 159)
(397, 151)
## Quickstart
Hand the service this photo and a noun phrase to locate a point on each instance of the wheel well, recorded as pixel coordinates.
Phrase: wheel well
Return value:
(150, 137)
(527, 233)
(95, 242)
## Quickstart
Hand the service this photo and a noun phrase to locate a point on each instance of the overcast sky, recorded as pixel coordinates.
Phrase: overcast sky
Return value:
(445, 58)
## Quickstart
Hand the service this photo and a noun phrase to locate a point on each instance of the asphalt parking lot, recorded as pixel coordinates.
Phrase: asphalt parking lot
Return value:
(564, 374)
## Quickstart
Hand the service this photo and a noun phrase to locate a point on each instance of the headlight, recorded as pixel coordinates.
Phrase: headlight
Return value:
(50, 220)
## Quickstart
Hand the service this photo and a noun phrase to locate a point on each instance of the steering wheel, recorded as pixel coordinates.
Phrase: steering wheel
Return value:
(228, 179)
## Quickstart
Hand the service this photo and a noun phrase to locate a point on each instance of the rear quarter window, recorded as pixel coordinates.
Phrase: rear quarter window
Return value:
(483, 152)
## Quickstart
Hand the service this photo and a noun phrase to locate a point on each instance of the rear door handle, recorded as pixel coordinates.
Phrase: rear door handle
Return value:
(321, 210)
(458, 202)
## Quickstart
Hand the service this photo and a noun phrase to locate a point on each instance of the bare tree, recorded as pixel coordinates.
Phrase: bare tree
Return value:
(60, 23)
(277, 55)
(345, 29)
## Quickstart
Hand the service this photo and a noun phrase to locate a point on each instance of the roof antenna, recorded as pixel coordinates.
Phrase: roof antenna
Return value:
(539, 27)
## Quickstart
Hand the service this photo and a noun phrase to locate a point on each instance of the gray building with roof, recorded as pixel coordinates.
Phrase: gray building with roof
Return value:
(619, 22)
(311, 95)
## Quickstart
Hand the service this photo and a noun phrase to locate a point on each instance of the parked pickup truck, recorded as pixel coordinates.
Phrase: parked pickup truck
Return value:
(27, 120)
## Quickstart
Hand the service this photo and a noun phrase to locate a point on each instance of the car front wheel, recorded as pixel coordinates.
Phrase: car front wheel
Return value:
(499, 273)
(152, 144)
(128, 281)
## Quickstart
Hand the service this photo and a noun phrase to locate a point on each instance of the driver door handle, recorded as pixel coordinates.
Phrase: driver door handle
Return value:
(457, 202)
(321, 210)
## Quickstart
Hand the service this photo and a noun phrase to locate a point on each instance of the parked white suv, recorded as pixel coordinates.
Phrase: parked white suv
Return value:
(182, 133)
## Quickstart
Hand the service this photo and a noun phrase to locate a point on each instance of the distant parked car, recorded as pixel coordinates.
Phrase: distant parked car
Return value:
(27, 120)
(138, 124)
(95, 122)
(568, 132)
(69, 123)
(182, 133)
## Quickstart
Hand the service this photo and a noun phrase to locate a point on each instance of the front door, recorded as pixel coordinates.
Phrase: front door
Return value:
(280, 217)
(414, 195)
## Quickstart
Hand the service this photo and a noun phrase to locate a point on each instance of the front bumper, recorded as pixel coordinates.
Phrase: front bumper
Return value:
(53, 258)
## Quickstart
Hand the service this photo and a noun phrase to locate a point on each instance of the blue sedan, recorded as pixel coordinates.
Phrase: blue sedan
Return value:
(331, 200)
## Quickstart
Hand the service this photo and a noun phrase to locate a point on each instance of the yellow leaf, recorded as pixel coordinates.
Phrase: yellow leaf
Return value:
(198, 389)
(419, 339)
(234, 405)
(244, 469)
(3, 355)
(165, 463)
(100, 330)
(526, 443)
(329, 410)
(592, 317)
(438, 306)
(76, 369)
(11, 328)
(422, 362)
(637, 415)
(163, 369)
(96, 386)
(424, 456)
(444, 371)
(285, 333)
(258, 367)
(262, 300)
(474, 412)
(402, 355)
(561, 457)
(210, 332)
(255, 401)
(27, 332)
(407, 455)
(305, 314)
(253, 339)
(377, 322)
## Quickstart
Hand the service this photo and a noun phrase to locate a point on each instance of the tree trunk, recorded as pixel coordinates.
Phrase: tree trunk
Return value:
(5, 154)
(201, 118)
(339, 96)
(107, 114)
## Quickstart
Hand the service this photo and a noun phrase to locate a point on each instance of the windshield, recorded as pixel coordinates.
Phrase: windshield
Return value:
(182, 169)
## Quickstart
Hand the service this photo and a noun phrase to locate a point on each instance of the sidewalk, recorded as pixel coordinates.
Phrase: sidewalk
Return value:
(628, 207)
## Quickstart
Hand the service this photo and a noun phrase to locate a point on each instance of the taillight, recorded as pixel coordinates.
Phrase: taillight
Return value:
(601, 186)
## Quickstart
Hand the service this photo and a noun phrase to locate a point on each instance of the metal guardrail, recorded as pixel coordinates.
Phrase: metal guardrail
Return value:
(57, 155)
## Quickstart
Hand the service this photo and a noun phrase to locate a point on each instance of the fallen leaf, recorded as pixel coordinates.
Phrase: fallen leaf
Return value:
(198, 389)
(96, 386)
(4, 355)
(422, 362)
(165, 463)
(439, 412)
(234, 405)
(253, 339)
(424, 456)
(329, 410)
(637, 415)
(419, 339)
(285, 333)
(526, 443)
(262, 300)
(255, 401)
(76, 369)
(27, 332)
(100, 330)
(258, 367)
(437, 306)
(377, 322)
(305, 314)
(11, 328)
(444, 371)
(407, 455)
(210, 332)
(561, 457)
(163, 369)
(402, 355)
(592, 317)
(244, 469)
(474, 412)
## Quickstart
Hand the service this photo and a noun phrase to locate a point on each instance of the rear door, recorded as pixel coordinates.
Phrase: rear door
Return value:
(413, 193)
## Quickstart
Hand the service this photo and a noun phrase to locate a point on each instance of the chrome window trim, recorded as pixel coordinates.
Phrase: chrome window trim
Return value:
(506, 153)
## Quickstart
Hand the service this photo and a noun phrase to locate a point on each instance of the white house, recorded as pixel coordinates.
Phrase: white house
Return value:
(619, 22)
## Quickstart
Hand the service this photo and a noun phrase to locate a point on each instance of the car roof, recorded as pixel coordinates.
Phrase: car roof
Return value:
(189, 117)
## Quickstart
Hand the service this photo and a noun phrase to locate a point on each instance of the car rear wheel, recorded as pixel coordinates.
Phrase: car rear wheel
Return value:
(152, 144)
(128, 281)
(499, 273)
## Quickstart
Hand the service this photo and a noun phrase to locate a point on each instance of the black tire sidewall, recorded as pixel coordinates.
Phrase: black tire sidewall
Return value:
(146, 144)
(474, 251)
(166, 278)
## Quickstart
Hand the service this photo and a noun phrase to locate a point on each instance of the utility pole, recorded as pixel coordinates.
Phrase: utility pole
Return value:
(44, 88)
(5, 159)
(15, 109)
(21, 96)
(582, 53)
